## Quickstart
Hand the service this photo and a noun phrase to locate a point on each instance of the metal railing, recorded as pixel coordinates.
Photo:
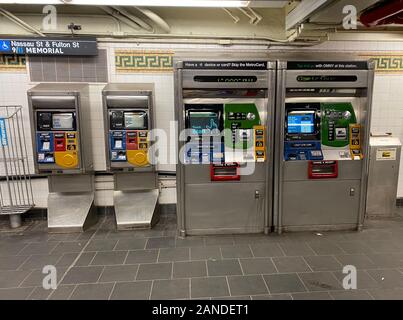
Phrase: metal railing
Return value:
(16, 195)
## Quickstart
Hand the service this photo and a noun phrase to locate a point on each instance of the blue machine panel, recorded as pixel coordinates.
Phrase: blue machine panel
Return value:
(207, 153)
(302, 150)
(117, 143)
(45, 147)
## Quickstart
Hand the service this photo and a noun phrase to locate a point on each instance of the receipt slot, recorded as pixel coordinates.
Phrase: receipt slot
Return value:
(129, 119)
(62, 150)
(322, 154)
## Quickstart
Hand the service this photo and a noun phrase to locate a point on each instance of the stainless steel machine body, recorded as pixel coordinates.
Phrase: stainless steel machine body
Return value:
(322, 144)
(129, 119)
(383, 176)
(61, 139)
(225, 120)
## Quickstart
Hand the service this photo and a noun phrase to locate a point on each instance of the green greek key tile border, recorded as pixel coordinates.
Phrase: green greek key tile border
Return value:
(133, 61)
(13, 63)
(385, 62)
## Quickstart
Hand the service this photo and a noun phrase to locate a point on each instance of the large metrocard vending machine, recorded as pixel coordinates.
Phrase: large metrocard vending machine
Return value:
(61, 139)
(129, 120)
(225, 119)
(323, 142)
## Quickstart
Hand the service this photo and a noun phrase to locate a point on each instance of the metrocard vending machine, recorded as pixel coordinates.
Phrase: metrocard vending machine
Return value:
(129, 119)
(225, 119)
(323, 112)
(61, 139)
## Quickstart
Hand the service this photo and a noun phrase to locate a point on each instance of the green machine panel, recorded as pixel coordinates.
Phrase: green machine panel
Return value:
(336, 118)
(240, 118)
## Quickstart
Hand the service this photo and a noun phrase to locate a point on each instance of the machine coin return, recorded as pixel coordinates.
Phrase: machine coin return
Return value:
(322, 169)
(225, 172)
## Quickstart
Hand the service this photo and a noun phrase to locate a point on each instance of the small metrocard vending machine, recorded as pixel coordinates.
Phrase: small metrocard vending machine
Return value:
(61, 138)
(129, 119)
(323, 141)
(225, 118)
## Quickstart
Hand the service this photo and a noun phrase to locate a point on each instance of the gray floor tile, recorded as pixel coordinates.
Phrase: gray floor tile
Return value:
(15, 293)
(63, 292)
(190, 269)
(219, 240)
(141, 256)
(325, 248)
(174, 254)
(284, 283)
(387, 278)
(77, 275)
(291, 264)
(257, 266)
(64, 236)
(233, 298)
(123, 273)
(266, 250)
(247, 285)
(170, 289)
(351, 295)
(69, 247)
(12, 279)
(360, 261)
(99, 291)
(83, 261)
(252, 238)
(320, 281)
(297, 249)
(131, 244)
(323, 263)
(386, 260)
(205, 253)
(272, 297)
(312, 296)
(223, 267)
(387, 294)
(364, 280)
(38, 261)
(153, 271)
(161, 242)
(209, 287)
(379, 246)
(38, 248)
(12, 249)
(138, 290)
(39, 293)
(238, 251)
(101, 245)
(190, 242)
(107, 258)
(36, 277)
(354, 247)
(12, 262)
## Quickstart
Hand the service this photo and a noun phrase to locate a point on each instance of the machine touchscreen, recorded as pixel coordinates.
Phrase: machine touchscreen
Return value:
(63, 121)
(300, 122)
(135, 120)
(204, 122)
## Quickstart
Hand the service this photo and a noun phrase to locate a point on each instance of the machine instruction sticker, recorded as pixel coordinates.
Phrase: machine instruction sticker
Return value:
(328, 65)
(229, 65)
(3, 133)
(386, 154)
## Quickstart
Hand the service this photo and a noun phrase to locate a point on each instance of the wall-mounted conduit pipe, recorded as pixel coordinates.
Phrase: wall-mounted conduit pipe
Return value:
(20, 22)
(156, 19)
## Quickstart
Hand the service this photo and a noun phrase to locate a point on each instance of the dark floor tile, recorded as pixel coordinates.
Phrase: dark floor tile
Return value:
(63, 292)
(284, 283)
(323, 263)
(219, 240)
(325, 248)
(190, 269)
(351, 295)
(360, 261)
(266, 250)
(233, 298)
(387, 278)
(162, 242)
(364, 280)
(83, 260)
(99, 291)
(153, 271)
(12, 262)
(64, 236)
(38, 293)
(252, 238)
(38, 261)
(141, 256)
(174, 254)
(238, 251)
(296, 249)
(69, 247)
(257, 266)
(138, 290)
(354, 247)
(119, 273)
(291, 264)
(247, 285)
(379, 246)
(131, 244)
(101, 245)
(12, 249)
(386, 260)
(387, 294)
(78, 275)
(205, 253)
(223, 267)
(311, 296)
(38, 248)
(15, 293)
(170, 289)
(190, 242)
(272, 297)
(320, 281)
(209, 287)
(11, 279)
(108, 258)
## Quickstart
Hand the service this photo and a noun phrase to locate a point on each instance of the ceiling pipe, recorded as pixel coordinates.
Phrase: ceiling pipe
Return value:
(121, 18)
(384, 13)
(156, 19)
(20, 22)
(133, 18)
(252, 18)
(234, 17)
(258, 16)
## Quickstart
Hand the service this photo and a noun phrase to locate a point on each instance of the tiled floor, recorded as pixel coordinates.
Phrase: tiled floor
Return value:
(105, 264)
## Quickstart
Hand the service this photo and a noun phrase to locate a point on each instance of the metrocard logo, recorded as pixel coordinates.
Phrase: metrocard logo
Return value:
(5, 46)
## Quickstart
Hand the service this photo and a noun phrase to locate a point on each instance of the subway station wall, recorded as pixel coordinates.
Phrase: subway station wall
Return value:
(15, 80)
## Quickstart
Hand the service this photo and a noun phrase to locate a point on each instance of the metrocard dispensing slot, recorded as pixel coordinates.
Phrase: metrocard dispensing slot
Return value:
(322, 169)
(225, 172)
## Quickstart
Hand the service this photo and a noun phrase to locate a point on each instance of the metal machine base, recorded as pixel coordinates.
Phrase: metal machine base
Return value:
(70, 212)
(136, 209)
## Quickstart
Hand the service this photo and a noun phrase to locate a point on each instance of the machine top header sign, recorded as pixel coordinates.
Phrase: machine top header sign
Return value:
(226, 65)
(49, 46)
(327, 65)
